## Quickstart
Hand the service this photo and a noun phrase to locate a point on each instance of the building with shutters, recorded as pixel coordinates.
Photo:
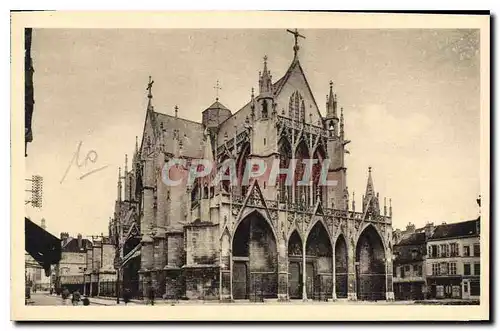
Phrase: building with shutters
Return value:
(453, 265)
(69, 272)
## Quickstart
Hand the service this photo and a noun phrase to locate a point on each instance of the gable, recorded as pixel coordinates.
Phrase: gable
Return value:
(295, 80)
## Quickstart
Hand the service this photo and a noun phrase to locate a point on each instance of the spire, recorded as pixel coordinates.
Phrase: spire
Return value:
(126, 165)
(119, 185)
(150, 94)
(331, 103)
(265, 84)
(371, 199)
(370, 190)
(342, 122)
(135, 159)
(353, 202)
(252, 106)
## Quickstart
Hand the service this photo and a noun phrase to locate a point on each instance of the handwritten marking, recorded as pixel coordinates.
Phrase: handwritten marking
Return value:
(91, 156)
(92, 171)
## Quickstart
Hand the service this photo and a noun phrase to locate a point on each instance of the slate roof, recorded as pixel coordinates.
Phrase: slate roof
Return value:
(190, 132)
(413, 239)
(217, 105)
(454, 230)
(71, 245)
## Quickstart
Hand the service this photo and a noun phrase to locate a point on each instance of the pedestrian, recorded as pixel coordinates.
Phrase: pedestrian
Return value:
(152, 295)
(65, 296)
(126, 296)
(86, 301)
(76, 298)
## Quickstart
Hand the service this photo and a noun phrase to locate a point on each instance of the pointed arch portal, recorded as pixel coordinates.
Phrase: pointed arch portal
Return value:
(255, 258)
(295, 266)
(341, 267)
(370, 266)
(319, 265)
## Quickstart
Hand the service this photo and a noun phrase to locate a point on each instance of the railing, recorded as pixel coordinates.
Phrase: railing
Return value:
(263, 285)
(132, 289)
(237, 199)
(308, 128)
(371, 287)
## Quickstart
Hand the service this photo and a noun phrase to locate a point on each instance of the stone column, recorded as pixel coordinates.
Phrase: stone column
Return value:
(334, 284)
(351, 272)
(147, 263)
(225, 269)
(304, 276)
(147, 222)
(389, 289)
(282, 271)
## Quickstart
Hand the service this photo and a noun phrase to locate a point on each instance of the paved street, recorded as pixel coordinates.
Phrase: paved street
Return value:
(44, 299)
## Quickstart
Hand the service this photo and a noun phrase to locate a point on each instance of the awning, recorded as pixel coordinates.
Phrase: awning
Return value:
(71, 279)
(41, 245)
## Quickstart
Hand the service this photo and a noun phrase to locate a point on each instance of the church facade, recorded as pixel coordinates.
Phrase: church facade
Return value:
(252, 241)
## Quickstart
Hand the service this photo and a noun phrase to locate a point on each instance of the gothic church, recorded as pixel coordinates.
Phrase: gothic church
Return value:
(256, 242)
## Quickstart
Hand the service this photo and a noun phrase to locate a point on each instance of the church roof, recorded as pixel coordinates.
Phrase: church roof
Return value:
(190, 133)
(217, 105)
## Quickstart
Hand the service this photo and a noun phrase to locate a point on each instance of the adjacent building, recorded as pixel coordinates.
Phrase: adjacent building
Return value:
(35, 276)
(453, 261)
(69, 273)
(410, 249)
(100, 274)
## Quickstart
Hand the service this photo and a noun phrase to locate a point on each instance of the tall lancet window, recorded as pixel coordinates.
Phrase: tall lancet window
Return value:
(302, 191)
(302, 111)
(296, 107)
(317, 188)
(242, 163)
(285, 192)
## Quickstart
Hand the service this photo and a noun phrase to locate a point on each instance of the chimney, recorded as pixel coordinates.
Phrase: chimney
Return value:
(429, 229)
(80, 246)
(410, 228)
(43, 226)
(64, 237)
(396, 236)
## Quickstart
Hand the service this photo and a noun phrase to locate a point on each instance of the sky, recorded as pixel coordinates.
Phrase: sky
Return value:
(411, 105)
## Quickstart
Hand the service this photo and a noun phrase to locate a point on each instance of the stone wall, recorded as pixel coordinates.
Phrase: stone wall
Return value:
(202, 245)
